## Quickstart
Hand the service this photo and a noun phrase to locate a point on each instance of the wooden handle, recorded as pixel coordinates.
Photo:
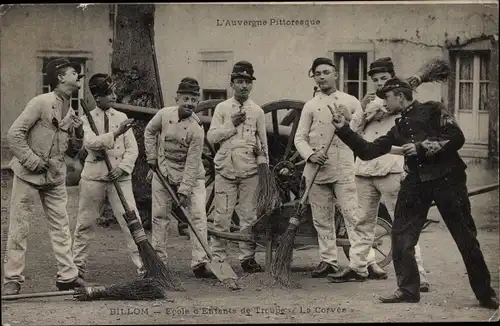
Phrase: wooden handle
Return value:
(172, 194)
(316, 171)
(106, 157)
(37, 295)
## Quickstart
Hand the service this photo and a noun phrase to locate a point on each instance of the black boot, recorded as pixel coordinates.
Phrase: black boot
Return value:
(251, 266)
(375, 272)
(201, 271)
(323, 269)
(346, 275)
(11, 288)
(77, 283)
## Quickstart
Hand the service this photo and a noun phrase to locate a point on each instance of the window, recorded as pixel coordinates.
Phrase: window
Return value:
(472, 81)
(77, 95)
(215, 71)
(213, 94)
(352, 69)
(468, 93)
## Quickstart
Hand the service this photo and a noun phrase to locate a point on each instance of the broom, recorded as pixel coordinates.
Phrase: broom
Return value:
(434, 70)
(267, 194)
(152, 262)
(281, 264)
(143, 289)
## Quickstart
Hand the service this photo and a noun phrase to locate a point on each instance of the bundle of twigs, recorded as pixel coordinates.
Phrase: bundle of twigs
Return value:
(434, 70)
(267, 195)
(152, 262)
(143, 289)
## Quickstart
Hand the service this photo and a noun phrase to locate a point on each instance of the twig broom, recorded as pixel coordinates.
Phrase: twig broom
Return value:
(267, 195)
(434, 70)
(143, 289)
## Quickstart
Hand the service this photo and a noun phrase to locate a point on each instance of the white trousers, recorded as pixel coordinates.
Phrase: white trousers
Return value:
(323, 198)
(22, 207)
(372, 190)
(92, 198)
(162, 216)
(227, 193)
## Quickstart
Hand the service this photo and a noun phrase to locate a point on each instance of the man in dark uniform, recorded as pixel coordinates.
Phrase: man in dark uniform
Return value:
(430, 139)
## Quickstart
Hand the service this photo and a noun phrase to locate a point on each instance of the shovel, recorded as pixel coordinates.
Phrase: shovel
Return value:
(221, 270)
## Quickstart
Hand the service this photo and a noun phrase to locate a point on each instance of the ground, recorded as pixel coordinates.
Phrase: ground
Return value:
(207, 301)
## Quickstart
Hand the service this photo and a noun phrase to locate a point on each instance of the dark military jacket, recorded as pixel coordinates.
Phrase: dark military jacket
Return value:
(430, 127)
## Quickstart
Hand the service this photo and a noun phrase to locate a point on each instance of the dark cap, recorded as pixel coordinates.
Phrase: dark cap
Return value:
(320, 61)
(59, 63)
(381, 65)
(189, 85)
(100, 84)
(243, 69)
(392, 84)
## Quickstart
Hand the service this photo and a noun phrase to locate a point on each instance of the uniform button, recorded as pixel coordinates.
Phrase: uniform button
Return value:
(170, 121)
(376, 133)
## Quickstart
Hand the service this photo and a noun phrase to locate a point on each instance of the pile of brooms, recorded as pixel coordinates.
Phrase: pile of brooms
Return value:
(434, 70)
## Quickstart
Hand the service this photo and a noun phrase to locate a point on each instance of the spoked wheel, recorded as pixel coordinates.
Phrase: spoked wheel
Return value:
(382, 244)
(282, 119)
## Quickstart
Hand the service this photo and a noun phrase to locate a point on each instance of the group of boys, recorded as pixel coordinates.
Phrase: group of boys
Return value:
(174, 142)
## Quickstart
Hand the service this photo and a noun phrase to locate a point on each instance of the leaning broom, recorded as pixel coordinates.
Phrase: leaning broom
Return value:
(434, 70)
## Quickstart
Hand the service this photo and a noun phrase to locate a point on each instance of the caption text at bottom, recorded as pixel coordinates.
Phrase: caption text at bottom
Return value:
(274, 310)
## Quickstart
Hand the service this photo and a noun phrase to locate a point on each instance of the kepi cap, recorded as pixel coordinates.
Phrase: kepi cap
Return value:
(100, 84)
(243, 69)
(56, 64)
(392, 84)
(381, 65)
(189, 85)
(320, 61)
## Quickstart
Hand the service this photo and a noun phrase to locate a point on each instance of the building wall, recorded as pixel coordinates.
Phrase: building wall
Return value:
(32, 31)
(282, 55)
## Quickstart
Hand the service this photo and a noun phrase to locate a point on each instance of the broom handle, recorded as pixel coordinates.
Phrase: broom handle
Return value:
(37, 295)
(106, 157)
(316, 171)
(172, 194)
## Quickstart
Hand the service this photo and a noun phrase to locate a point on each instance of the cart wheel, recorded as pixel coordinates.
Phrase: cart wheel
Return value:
(382, 244)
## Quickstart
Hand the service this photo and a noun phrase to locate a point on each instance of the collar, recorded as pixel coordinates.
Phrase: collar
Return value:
(332, 94)
(109, 111)
(409, 108)
(248, 101)
(61, 95)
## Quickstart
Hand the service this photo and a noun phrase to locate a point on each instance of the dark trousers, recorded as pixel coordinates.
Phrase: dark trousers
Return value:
(414, 201)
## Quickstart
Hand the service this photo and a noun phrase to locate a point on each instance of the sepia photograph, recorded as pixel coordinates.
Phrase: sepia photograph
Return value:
(249, 162)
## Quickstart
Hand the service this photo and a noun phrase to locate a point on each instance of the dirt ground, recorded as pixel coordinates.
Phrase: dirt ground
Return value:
(207, 301)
